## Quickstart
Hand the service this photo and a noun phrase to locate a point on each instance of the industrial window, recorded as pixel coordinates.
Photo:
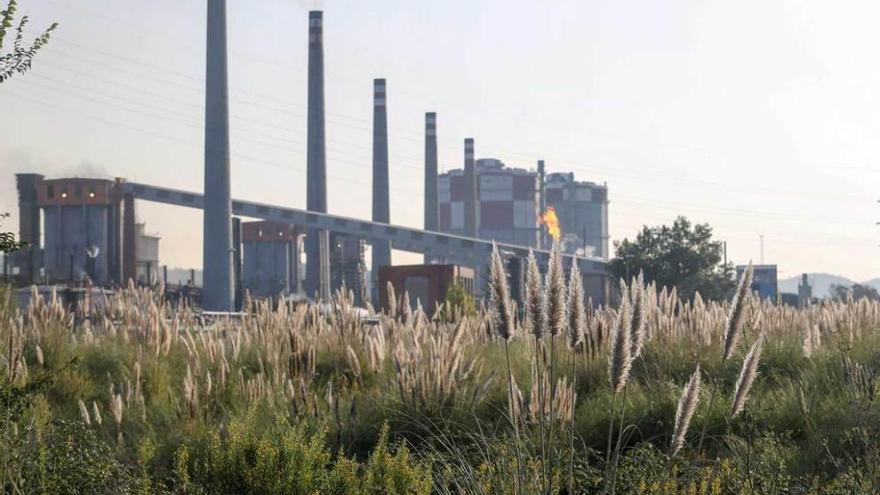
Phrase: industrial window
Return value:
(50, 191)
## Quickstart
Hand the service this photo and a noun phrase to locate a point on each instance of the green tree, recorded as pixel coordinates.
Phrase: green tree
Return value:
(681, 255)
(458, 299)
(857, 291)
(19, 59)
(16, 61)
(8, 243)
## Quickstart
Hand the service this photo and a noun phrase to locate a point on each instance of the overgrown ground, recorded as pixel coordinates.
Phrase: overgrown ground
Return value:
(142, 398)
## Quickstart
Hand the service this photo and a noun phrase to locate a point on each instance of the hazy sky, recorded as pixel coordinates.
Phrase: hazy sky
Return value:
(757, 116)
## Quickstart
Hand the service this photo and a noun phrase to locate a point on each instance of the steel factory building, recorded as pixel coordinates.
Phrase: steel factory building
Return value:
(510, 202)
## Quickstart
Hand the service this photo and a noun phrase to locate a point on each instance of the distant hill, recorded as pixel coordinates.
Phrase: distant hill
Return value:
(822, 283)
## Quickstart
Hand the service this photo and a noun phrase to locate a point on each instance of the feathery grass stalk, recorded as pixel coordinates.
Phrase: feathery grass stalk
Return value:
(535, 319)
(618, 364)
(554, 300)
(500, 295)
(687, 405)
(747, 377)
(736, 316)
(576, 324)
(534, 310)
(504, 322)
(621, 351)
(732, 330)
(639, 315)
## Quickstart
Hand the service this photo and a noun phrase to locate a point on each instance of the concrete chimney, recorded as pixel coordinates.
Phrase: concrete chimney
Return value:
(431, 202)
(470, 190)
(29, 223)
(432, 205)
(381, 208)
(316, 160)
(217, 291)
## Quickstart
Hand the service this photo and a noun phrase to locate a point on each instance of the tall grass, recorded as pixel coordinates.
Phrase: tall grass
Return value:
(155, 383)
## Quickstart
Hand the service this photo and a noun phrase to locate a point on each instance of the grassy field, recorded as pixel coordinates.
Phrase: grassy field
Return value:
(655, 395)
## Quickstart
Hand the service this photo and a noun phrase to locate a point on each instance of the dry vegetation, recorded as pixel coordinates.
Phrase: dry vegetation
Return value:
(655, 395)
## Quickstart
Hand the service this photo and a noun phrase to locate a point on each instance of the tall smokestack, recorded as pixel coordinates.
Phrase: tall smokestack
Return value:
(470, 190)
(381, 207)
(217, 291)
(316, 160)
(29, 222)
(431, 202)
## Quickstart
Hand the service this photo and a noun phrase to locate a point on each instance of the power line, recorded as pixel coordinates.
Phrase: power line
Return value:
(694, 183)
(809, 238)
(625, 199)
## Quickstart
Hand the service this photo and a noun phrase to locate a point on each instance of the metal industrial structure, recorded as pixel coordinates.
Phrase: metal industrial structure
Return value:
(270, 264)
(510, 202)
(264, 256)
(88, 233)
(582, 208)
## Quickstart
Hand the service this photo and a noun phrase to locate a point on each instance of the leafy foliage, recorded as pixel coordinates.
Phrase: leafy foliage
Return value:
(287, 459)
(290, 400)
(681, 255)
(20, 58)
(458, 300)
(8, 244)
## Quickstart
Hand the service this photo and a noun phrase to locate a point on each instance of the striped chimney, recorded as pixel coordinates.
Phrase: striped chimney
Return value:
(316, 160)
(432, 206)
(381, 207)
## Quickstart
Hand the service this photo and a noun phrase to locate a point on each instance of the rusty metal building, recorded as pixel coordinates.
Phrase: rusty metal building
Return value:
(425, 284)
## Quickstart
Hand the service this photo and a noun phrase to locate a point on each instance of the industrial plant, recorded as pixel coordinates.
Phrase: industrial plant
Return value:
(85, 231)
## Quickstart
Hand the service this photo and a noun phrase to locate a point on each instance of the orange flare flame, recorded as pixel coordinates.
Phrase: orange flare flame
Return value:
(550, 219)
